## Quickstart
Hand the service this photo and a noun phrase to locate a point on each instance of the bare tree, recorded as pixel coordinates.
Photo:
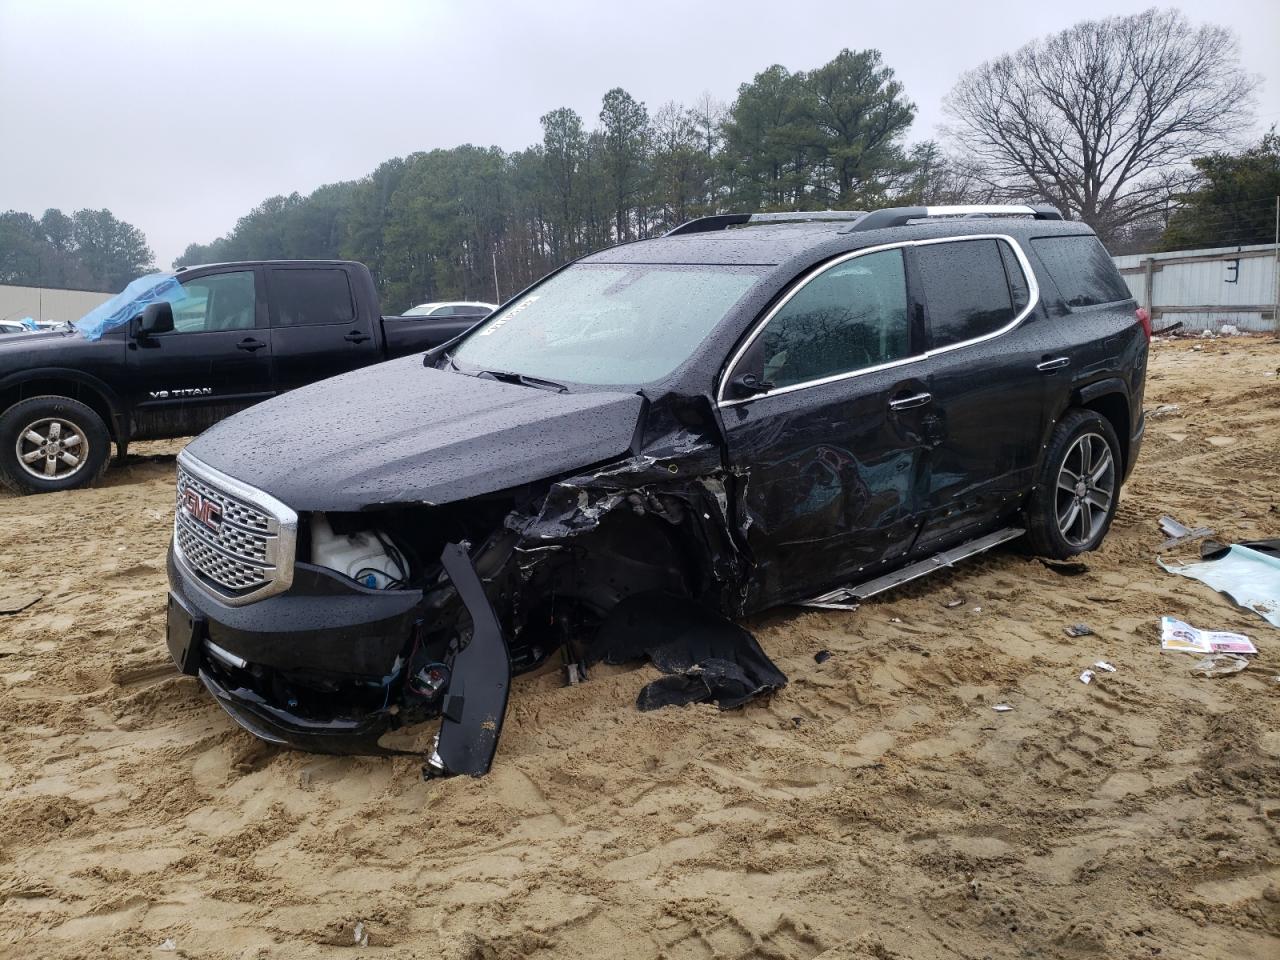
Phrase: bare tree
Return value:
(1102, 119)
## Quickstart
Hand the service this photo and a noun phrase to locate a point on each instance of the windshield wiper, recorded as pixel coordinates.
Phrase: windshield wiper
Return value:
(524, 380)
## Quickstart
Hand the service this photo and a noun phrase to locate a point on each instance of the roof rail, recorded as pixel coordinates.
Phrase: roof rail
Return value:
(725, 220)
(900, 216)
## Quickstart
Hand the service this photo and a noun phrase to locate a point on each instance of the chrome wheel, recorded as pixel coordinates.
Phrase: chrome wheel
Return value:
(1086, 487)
(52, 448)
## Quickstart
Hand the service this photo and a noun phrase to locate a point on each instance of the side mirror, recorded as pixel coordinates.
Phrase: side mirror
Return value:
(749, 385)
(157, 318)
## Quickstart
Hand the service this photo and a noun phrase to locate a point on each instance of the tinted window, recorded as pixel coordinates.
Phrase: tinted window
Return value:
(224, 301)
(607, 323)
(852, 316)
(444, 312)
(1017, 279)
(311, 297)
(965, 287)
(1082, 270)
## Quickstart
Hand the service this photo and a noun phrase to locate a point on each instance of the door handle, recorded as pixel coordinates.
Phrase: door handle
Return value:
(906, 403)
(250, 344)
(1057, 363)
(355, 336)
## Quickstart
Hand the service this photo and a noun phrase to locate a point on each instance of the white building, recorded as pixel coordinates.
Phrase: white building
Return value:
(1206, 288)
(44, 304)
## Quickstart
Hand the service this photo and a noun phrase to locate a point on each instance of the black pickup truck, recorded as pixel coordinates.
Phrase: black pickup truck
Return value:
(224, 337)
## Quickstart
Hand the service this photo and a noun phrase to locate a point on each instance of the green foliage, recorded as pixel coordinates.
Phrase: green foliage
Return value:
(435, 225)
(90, 250)
(1234, 203)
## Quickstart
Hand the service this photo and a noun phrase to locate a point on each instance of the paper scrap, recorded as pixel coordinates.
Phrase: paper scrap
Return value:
(1184, 638)
(1086, 677)
(1103, 665)
(1002, 708)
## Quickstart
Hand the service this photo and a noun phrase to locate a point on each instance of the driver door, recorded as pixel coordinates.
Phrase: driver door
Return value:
(833, 452)
(215, 362)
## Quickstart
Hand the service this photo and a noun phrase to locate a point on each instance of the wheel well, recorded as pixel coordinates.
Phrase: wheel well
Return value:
(1115, 408)
(86, 394)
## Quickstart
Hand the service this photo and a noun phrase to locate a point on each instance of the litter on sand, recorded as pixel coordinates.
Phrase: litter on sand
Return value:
(1179, 533)
(1183, 638)
(17, 600)
(1087, 676)
(952, 604)
(1002, 708)
(1103, 665)
(1248, 573)
(1219, 665)
(1079, 630)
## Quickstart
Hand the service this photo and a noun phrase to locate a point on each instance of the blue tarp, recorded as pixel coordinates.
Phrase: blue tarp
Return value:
(1249, 577)
(127, 304)
(29, 323)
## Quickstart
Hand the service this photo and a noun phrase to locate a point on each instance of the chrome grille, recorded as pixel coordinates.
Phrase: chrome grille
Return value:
(247, 554)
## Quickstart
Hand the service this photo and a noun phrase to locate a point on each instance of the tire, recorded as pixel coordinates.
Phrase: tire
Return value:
(1066, 518)
(41, 437)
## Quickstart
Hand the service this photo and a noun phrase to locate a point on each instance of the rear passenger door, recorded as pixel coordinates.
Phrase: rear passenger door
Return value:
(987, 388)
(315, 329)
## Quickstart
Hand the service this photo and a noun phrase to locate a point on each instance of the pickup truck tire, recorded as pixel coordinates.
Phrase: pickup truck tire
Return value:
(52, 443)
(1077, 489)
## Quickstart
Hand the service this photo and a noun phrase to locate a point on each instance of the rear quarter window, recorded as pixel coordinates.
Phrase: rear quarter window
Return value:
(1082, 270)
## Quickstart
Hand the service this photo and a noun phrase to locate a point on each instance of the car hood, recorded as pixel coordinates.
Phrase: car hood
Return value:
(399, 432)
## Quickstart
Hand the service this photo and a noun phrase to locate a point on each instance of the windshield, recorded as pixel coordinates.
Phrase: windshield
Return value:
(607, 324)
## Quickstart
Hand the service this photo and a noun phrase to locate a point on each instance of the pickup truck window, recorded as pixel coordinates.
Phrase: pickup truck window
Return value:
(309, 297)
(223, 301)
(607, 324)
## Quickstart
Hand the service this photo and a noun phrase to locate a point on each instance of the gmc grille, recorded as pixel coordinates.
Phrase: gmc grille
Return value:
(243, 550)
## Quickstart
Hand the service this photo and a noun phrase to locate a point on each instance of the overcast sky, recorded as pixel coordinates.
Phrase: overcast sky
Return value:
(181, 116)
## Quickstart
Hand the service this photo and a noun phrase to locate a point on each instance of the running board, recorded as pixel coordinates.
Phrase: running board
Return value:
(845, 598)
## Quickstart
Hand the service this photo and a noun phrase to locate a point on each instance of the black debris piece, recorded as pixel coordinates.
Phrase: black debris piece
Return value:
(1079, 630)
(705, 656)
(1066, 568)
(822, 656)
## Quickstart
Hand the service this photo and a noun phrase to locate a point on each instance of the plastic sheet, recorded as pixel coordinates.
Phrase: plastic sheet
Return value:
(1249, 577)
(128, 303)
(29, 323)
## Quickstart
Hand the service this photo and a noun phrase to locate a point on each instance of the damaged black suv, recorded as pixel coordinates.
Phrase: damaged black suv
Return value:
(749, 411)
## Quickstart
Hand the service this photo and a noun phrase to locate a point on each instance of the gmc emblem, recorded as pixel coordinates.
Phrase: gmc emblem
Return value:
(205, 511)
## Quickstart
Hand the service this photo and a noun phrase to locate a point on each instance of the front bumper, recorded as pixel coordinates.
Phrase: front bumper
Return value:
(310, 668)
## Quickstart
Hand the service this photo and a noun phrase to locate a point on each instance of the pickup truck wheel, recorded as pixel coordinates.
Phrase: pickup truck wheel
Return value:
(1078, 487)
(52, 443)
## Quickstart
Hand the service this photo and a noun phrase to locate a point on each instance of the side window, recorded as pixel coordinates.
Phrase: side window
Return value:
(965, 287)
(1017, 279)
(444, 311)
(224, 301)
(307, 297)
(1082, 270)
(850, 317)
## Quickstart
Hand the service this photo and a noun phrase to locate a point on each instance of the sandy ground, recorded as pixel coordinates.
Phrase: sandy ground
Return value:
(876, 808)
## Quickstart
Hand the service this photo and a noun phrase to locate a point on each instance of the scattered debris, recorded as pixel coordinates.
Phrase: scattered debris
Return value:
(977, 609)
(1248, 573)
(822, 656)
(1067, 568)
(1002, 708)
(1229, 330)
(1183, 638)
(1164, 410)
(16, 600)
(706, 656)
(360, 934)
(1178, 533)
(168, 946)
(1219, 665)
(1087, 676)
(1169, 329)
(1103, 665)
(1078, 630)
(952, 604)
(1207, 334)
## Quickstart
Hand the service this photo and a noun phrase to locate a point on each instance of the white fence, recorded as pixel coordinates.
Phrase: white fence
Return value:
(42, 303)
(1206, 288)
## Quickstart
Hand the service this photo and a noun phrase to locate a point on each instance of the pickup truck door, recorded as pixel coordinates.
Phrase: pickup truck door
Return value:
(316, 329)
(215, 362)
(832, 457)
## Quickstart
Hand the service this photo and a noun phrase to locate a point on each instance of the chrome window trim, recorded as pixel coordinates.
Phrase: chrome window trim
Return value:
(286, 545)
(1033, 300)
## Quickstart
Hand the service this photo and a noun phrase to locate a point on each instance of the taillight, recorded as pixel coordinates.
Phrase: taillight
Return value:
(1144, 318)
